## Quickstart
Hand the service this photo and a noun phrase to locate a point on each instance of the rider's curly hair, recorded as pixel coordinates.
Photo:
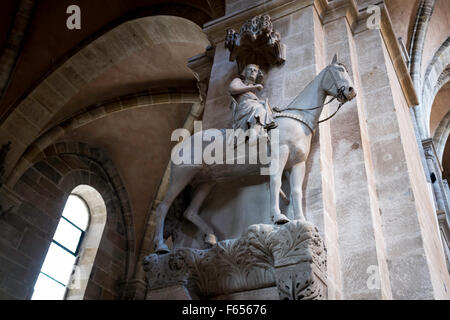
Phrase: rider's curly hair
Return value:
(259, 77)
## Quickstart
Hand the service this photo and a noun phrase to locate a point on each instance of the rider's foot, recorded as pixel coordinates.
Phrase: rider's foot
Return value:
(161, 248)
(211, 239)
(271, 126)
(280, 219)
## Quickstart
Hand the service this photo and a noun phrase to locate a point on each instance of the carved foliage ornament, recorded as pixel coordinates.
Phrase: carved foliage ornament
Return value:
(257, 43)
(291, 256)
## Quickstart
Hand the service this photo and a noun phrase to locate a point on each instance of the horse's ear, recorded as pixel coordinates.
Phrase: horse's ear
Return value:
(334, 59)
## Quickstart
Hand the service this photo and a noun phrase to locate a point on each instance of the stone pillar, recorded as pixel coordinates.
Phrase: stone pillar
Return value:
(447, 195)
(135, 289)
(361, 246)
(414, 253)
(445, 236)
(442, 202)
(319, 184)
(301, 31)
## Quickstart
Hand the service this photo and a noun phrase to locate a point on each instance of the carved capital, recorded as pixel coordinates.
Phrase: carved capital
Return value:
(302, 281)
(291, 257)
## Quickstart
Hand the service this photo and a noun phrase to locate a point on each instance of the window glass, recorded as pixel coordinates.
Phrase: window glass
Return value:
(58, 263)
(48, 289)
(67, 235)
(60, 259)
(76, 212)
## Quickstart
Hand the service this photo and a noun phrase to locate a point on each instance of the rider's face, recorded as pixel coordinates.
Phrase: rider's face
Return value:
(252, 73)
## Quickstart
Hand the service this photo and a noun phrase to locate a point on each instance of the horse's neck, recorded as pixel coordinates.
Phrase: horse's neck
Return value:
(311, 97)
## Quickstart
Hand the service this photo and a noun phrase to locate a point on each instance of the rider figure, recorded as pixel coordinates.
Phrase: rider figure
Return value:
(249, 112)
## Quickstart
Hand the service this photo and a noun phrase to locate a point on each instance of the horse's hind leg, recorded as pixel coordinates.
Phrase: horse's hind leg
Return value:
(192, 215)
(181, 176)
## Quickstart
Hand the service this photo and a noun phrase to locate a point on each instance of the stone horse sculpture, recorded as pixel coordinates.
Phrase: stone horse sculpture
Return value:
(296, 124)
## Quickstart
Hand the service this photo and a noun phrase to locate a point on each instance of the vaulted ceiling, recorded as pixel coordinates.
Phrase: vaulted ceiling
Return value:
(48, 42)
(126, 51)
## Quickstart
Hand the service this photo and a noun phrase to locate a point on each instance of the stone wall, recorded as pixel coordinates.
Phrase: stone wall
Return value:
(28, 221)
(365, 188)
(424, 209)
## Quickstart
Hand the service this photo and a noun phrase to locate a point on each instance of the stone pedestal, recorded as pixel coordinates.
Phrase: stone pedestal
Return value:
(290, 258)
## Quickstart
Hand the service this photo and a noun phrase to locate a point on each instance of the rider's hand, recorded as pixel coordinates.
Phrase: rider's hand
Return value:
(259, 87)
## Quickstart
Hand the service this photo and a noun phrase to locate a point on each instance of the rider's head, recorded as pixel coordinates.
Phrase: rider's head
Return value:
(251, 73)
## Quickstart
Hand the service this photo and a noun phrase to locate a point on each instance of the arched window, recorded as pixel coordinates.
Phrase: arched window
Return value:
(60, 259)
(68, 263)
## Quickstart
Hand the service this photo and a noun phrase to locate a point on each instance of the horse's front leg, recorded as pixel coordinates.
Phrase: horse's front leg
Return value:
(296, 182)
(275, 185)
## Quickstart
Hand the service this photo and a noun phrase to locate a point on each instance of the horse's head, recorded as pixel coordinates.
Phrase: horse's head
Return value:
(337, 82)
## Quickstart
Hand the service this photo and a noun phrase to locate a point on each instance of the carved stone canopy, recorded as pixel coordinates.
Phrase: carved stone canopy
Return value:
(257, 43)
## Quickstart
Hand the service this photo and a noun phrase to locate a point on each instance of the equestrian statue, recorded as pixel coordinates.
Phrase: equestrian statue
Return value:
(295, 123)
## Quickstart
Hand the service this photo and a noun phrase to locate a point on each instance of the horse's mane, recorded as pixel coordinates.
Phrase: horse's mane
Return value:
(342, 65)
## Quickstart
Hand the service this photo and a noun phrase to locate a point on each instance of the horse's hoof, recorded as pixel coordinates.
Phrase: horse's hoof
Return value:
(280, 219)
(211, 239)
(162, 248)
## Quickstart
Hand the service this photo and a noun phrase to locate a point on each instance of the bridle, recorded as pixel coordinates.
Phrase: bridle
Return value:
(339, 96)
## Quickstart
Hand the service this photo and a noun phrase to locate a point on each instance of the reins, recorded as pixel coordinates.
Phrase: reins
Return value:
(340, 94)
(340, 105)
(328, 118)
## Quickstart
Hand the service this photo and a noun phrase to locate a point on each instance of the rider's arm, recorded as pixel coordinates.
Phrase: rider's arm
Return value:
(238, 87)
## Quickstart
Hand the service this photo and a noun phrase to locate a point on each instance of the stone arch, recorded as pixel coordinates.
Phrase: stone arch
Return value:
(418, 36)
(441, 136)
(95, 112)
(412, 26)
(437, 74)
(47, 184)
(196, 11)
(417, 43)
(26, 123)
(91, 242)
